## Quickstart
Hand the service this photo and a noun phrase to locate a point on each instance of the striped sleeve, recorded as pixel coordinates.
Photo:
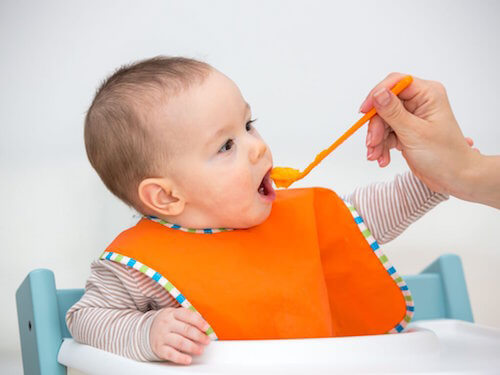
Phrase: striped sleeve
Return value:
(117, 309)
(388, 208)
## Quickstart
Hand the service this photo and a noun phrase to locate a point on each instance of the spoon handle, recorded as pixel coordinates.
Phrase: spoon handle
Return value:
(400, 86)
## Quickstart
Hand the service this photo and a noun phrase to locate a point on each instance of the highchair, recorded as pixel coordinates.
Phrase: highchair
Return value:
(441, 338)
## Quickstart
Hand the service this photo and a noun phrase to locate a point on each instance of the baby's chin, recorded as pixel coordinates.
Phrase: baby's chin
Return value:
(250, 221)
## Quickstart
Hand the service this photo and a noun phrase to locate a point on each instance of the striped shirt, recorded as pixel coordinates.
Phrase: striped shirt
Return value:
(120, 303)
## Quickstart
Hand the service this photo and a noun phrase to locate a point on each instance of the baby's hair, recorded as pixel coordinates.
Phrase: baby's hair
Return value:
(121, 143)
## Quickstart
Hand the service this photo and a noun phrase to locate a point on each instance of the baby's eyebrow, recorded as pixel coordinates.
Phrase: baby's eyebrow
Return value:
(216, 135)
(222, 130)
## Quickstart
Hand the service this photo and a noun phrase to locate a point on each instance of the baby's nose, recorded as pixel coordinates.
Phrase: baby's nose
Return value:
(257, 151)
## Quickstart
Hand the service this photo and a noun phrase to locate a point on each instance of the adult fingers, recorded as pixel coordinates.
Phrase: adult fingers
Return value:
(377, 130)
(470, 142)
(190, 331)
(375, 134)
(191, 317)
(385, 158)
(375, 152)
(417, 86)
(168, 353)
(390, 142)
(392, 111)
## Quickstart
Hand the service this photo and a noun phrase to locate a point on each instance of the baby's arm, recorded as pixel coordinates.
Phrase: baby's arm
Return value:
(388, 208)
(125, 312)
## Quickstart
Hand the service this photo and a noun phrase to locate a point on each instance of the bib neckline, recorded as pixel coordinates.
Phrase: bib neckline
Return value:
(184, 229)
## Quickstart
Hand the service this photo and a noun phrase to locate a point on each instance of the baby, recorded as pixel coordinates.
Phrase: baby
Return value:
(218, 253)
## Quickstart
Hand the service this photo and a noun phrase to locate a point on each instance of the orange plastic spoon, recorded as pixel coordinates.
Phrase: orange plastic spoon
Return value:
(285, 176)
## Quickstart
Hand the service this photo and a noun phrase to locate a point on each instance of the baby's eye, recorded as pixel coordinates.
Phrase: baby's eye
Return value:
(227, 146)
(249, 126)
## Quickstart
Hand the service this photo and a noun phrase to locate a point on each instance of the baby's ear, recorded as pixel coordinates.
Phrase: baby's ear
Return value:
(158, 195)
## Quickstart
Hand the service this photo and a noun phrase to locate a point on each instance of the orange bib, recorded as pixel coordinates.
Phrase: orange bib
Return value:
(312, 269)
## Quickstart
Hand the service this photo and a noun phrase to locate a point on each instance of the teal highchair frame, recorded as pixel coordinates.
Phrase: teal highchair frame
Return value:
(439, 292)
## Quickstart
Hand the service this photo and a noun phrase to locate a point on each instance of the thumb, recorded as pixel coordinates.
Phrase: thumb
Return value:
(392, 111)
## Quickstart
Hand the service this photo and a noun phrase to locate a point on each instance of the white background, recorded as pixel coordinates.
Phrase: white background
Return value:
(304, 66)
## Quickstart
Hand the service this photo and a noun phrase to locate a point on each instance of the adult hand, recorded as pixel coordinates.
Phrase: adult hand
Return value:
(177, 332)
(421, 124)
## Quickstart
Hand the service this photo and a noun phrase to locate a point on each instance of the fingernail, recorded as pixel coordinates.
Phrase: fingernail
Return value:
(369, 153)
(380, 160)
(361, 106)
(368, 139)
(382, 97)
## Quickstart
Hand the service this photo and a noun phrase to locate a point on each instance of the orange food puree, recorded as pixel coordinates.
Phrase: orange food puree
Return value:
(284, 176)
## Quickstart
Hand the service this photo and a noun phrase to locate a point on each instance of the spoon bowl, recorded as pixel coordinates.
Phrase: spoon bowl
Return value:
(284, 176)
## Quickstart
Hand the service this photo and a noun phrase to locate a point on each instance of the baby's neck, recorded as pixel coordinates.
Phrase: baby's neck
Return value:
(191, 222)
(186, 229)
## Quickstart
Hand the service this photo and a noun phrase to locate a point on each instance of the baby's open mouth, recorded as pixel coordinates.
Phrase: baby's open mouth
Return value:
(266, 186)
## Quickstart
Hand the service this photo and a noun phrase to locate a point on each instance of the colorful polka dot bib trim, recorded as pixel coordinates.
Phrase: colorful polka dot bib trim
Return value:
(189, 230)
(183, 301)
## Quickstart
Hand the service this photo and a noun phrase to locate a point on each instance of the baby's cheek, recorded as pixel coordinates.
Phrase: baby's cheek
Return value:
(245, 184)
(238, 189)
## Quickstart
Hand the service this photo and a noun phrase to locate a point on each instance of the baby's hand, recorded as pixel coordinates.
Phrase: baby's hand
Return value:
(177, 330)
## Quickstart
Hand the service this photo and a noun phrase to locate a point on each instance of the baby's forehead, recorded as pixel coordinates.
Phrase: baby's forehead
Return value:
(200, 111)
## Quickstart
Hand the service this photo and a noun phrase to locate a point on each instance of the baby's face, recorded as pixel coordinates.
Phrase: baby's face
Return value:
(220, 164)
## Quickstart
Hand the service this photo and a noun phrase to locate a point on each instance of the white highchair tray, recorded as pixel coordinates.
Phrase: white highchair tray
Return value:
(433, 346)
